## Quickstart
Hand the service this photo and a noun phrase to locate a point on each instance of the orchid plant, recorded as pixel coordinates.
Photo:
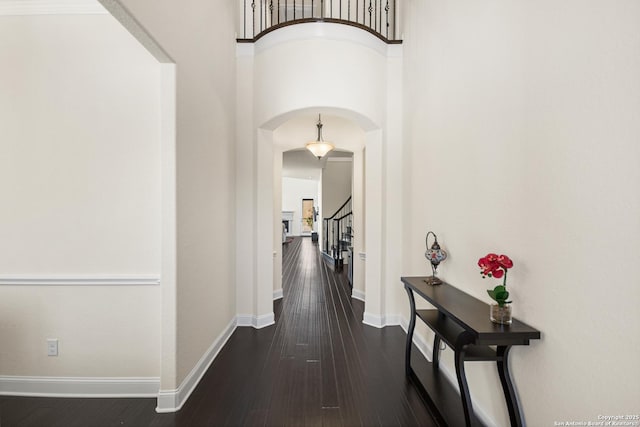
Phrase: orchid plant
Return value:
(493, 265)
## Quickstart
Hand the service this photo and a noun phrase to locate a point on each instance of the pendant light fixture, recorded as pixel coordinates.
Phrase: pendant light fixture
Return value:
(319, 148)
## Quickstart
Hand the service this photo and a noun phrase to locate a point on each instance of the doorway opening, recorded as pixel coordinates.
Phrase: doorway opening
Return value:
(308, 217)
(324, 185)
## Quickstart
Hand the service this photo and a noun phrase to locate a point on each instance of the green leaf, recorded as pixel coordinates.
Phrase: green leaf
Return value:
(502, 295)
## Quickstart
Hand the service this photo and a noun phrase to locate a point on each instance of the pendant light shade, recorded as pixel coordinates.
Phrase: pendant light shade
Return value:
(319, 148)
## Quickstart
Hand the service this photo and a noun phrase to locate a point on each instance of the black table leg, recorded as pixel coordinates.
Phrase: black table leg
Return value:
(412, 326)
(464, 387)
(436, 351)
(507, 386)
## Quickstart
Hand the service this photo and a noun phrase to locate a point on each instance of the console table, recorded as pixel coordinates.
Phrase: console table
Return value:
(462, 322)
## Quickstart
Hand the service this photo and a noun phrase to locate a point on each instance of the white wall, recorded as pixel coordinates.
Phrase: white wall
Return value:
(200, 39)
(293, 191)
(80, 186)
(337, 177)
(328, 78)
(524, 116)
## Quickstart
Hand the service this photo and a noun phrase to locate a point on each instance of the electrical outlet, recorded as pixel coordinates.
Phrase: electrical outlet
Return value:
(52, 347)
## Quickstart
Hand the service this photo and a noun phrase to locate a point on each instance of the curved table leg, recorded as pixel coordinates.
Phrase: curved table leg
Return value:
(507, 386)
(412, 326)
(436, 351)
(464, 387)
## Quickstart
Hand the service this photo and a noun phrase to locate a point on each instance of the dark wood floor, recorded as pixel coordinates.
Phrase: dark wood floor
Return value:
(317, 366)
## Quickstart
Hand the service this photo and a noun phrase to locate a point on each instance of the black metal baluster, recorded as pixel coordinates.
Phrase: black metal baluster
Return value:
(261, 15)
(349, 10)
(253, 17)
(294, 10)
(271, 12)
(244, 20)
(395, 19)
(386, 9)
(375, 15)
(302, 9)
(326, 236)
(356, 11)
(286, 11)
(380, 18)
(278, 12)
(370, 10)
(337, 239)
(313, 11)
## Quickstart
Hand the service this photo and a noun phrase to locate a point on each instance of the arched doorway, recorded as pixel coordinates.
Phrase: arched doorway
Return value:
(271, 142)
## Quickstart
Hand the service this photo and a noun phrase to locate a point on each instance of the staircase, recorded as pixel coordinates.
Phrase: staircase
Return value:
(338, 236)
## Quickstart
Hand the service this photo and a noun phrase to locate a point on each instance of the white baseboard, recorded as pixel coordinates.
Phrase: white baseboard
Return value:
(357, 294)
(257, 322)
(265, 320)
(373, 320)
(172, 400)
(79, 386)
(277, 294)
(245, 320)
(392, 320)
(381, 321)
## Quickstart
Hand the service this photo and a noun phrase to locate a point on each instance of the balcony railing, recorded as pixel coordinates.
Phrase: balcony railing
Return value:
(259, 17)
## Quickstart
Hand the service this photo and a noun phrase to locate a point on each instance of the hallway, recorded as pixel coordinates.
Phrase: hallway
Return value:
(319, 365)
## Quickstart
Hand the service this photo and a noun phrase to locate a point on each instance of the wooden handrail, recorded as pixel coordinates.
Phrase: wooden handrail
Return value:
(307, 20)
(339, 209)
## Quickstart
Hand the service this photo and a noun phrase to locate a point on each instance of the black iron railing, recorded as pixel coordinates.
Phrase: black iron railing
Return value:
(379, 17)
(338, 233)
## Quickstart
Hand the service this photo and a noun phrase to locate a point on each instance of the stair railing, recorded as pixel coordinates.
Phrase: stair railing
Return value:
(338, 233)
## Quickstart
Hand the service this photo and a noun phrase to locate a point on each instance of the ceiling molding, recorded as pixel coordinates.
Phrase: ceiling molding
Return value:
(51, 7)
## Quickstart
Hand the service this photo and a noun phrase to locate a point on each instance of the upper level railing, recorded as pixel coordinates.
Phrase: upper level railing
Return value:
(259, 17)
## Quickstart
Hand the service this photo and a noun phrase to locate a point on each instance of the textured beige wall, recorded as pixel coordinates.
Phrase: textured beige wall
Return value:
(523, 130)
(336, 185)
(80, 188)
(201, 40)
